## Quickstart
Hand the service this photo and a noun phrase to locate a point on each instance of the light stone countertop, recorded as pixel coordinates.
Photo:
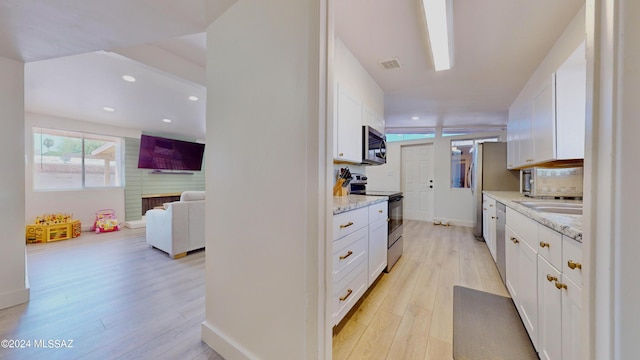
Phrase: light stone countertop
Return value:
(569, 225)
(352, 202)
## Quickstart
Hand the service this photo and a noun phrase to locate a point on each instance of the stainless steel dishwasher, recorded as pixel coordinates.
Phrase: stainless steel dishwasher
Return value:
(501, 220)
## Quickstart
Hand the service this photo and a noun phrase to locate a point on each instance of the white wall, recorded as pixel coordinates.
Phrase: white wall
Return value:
(610, 240)
(566, 44)
(264, 228)
(451, 204)
(13, 287)
(350, 73)
(81, 203)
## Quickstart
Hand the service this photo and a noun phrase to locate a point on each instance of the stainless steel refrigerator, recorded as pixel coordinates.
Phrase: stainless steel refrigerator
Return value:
(489, 172)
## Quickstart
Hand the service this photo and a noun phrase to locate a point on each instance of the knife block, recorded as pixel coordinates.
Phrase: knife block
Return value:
(338, 190)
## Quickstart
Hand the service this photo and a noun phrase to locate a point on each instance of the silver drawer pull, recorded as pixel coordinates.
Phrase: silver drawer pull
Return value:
(349, 253)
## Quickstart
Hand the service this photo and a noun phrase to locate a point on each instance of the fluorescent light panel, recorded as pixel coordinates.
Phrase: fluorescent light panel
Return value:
(435, 12)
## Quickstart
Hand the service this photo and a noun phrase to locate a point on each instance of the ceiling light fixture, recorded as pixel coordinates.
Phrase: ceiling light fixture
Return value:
(166, 120)
(438, 14)
(108, 108)
(128, 78)
(193, 98)
(415, 118)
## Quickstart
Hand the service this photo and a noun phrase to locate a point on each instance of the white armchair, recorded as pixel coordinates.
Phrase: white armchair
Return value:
(179, 228)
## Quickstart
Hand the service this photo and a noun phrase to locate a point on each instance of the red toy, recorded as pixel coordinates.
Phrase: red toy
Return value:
(106, 221)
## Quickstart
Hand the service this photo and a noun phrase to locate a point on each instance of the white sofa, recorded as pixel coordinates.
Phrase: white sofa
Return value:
(179, 227)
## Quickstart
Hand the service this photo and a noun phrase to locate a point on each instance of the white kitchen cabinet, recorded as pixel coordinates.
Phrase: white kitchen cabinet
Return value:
(559, 309)
(549, 311)
(551, 124)
(371, 118)
(571, 92)
(544, 123)
(549, 303)
(489, 224)
(571, 321)
(528, 304)
(522, 268)
(513, 147)
(359, 254)
(524, 142)
(512, 256)
(348, 126)
(377, 249)
(378, 235)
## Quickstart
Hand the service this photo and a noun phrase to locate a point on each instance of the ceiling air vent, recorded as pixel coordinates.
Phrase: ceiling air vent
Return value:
(390, 64)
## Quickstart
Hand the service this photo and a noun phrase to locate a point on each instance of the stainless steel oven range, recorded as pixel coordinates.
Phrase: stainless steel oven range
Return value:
(394, 230)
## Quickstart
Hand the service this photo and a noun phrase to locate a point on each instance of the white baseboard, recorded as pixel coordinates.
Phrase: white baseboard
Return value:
(223, 345)
(462, 223)
(13, 298)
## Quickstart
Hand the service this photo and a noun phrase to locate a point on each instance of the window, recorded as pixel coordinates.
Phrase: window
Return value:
(403, 137)
(64, 160)
(461, 157)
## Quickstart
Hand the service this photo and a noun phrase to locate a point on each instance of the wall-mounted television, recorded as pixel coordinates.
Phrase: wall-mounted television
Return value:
(159, 153)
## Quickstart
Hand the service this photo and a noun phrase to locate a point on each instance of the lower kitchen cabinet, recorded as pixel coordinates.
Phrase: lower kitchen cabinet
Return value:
(528, 305)
(489, 224)
(359, 254)
(377, 249)
(571, 321)
(549, 311)
(544, 278)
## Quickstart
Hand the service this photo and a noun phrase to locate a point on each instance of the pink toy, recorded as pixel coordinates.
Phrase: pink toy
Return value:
(106, 221)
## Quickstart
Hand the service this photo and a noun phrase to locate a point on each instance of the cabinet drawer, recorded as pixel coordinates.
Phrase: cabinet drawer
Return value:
(377, 212)
(347, 222)
(347, 291)
(348, 252)
(524, 227)
(572, 260)
(550, 245)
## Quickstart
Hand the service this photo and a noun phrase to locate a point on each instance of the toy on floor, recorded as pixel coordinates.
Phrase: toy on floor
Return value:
(106, 221)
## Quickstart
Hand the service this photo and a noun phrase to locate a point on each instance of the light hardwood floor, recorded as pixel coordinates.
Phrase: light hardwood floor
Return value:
(114, 297)
(408, 313)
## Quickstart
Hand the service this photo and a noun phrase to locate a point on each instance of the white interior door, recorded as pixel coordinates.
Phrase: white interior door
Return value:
(417, 182)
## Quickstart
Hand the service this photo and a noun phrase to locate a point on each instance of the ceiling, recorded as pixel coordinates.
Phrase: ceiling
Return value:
(498, 45)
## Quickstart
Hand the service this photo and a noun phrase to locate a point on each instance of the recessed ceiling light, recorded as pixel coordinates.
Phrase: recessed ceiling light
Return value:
(166, 120)
(108, 108)
(193, 98)
(128, 78)
(415, 118)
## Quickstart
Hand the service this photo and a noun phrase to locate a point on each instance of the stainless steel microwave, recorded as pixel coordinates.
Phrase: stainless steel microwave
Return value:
(551, 182)
(374, 146)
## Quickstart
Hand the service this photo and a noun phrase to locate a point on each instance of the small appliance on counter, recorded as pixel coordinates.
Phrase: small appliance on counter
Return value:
(394, 230)
(545, 182)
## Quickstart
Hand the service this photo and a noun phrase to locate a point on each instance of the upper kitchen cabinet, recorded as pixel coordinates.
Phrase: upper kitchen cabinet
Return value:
(358, 101)
(547, 119)
(571, 92)
(348, 129)
(550, 125)
(371, 118)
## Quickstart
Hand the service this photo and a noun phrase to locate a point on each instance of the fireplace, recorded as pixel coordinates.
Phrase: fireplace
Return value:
(151, 201)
